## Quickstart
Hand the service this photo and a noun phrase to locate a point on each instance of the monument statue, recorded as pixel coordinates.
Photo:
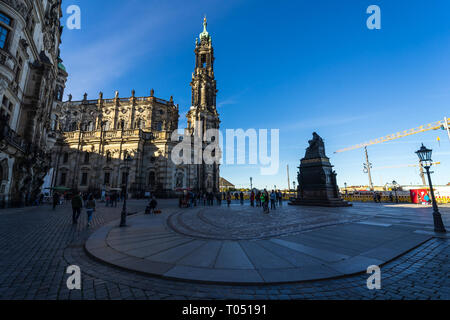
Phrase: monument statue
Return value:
(316, 148)
(317, 183)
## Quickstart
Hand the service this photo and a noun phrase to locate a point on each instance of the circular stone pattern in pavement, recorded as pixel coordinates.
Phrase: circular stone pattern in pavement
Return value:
(244, 246)
(247, 223)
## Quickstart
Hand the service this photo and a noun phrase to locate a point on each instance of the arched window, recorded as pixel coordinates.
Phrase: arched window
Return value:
(107, 126)
(122, 124)
(63, 179)
(90, 126)
(74, 126)
(66, 157)
(86, 157)
(108, 157)
(140, 124)
(54, 122)
(159, 126)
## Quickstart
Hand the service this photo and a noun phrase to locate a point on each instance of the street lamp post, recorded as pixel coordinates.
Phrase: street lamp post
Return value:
(146, 137)
(251, 183)
(424, 155)
(123, 218)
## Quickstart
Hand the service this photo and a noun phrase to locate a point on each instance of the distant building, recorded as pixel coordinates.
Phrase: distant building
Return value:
(32, 81)
(225, 185)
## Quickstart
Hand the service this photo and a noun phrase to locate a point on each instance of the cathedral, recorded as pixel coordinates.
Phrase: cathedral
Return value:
(107, 144)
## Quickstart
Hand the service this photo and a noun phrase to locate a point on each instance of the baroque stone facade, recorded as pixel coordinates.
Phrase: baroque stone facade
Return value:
(32, 81)
(100, 134)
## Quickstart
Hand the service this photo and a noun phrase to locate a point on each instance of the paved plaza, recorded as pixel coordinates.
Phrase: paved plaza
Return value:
(331, 248)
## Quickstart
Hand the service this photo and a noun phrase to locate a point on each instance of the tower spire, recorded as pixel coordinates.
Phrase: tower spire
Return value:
(205, 33)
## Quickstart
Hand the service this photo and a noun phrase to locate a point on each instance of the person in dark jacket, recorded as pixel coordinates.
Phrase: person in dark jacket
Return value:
(151, 206)
(55, 200)
(77, 204)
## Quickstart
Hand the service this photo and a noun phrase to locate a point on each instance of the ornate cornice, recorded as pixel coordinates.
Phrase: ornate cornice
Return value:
(19, 5)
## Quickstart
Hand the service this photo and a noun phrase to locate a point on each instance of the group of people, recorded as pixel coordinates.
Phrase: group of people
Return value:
(264, 199)
(111, 199)
(191, 199)
(78, 203)
(377, 197)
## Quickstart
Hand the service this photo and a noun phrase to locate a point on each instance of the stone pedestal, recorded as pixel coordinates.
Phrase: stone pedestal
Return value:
(317, 184)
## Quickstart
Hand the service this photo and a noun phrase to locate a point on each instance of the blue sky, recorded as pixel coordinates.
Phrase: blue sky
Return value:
(297, 66)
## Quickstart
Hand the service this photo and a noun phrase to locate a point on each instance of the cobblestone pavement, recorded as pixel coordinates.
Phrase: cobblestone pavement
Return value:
(37, 245)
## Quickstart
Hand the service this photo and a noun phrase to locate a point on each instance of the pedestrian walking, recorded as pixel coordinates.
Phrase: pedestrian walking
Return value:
(228, 199)
(427, 199)
(273, 199)
(108, 199)
(90, 209)
(258, 199)
(55, 200)
(114, 199)
(77, 204)
(241, 197)
(265, 201)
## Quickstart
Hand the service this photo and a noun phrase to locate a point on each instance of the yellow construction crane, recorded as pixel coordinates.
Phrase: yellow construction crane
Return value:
(420, 165)
(444, 125)
(404, 166)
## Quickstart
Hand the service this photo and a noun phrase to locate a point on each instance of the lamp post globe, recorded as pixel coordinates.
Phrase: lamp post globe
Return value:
(424, 155)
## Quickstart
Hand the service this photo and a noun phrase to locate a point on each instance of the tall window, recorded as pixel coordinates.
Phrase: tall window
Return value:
(106, 126)
(5, 29)
(84, 179)
(86, 158)
(106, 178)
(59, 93)
(62, 181)
(140, 124)
(108, 157)
(66, 158)
(152, 178)
(6, 108)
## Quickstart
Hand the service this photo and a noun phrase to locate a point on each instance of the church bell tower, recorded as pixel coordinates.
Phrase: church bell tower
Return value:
(203, 114)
